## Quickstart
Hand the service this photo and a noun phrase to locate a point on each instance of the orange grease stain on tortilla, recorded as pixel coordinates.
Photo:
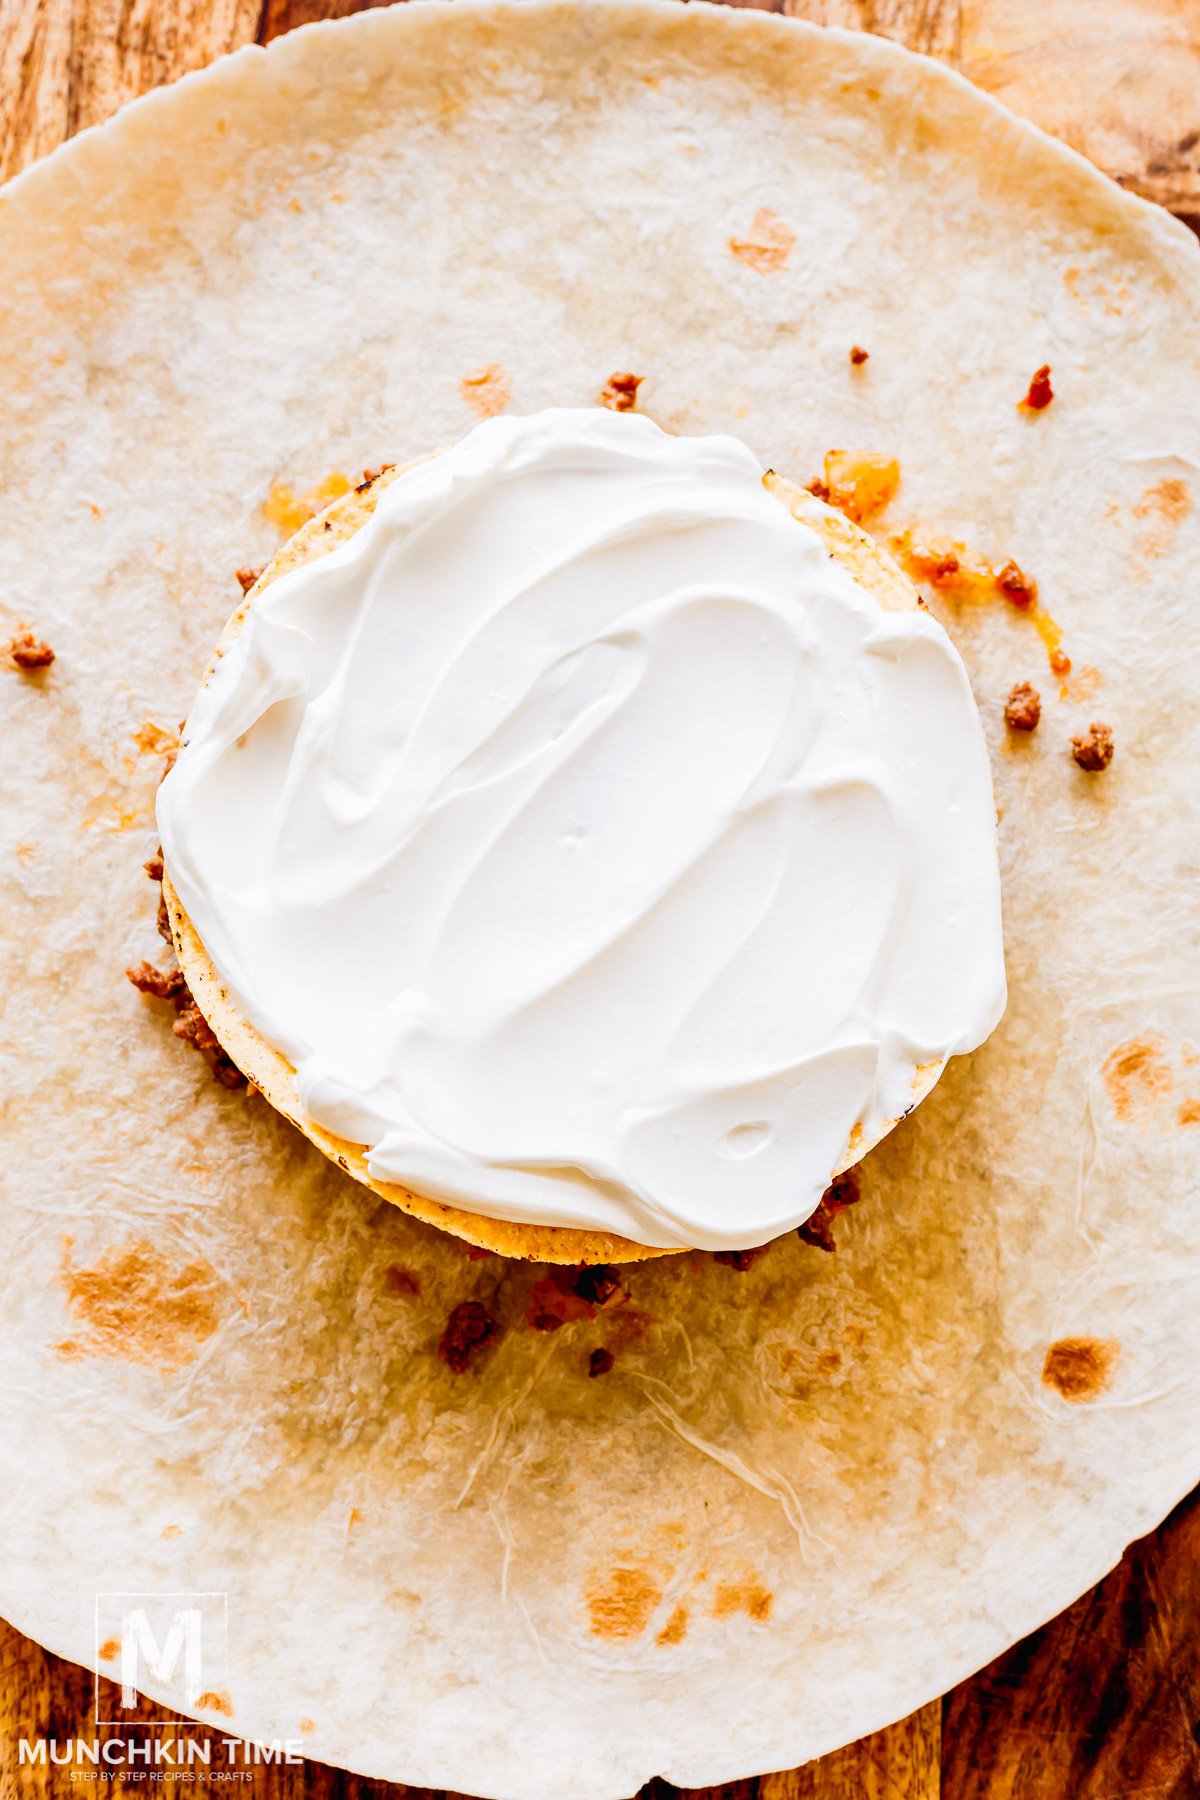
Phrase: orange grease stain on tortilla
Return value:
(215, 1702)
(620, 1602)
(859, 483)
(307, 1727)
(675, 1629)
(1137, 1077)
(136, 1305)
(488, 390)
(769, 244)
(170, 1531)
(749, 1597)
(1168, 503)
(1189, 1111)
(1170, 499)
(288, 511)
(25, 854)
(1079, 1368)
(155, 740)
(953, 569)
(109, 1650)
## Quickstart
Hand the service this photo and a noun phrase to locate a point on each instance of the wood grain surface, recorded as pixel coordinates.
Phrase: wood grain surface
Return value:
(1103, 1703)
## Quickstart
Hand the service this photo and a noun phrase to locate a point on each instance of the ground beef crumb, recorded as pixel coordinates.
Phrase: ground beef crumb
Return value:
(600, 1362)
(163, 920)
(819, 490)
(858, 356)
(163, 984)
(1093, 748)
(246, 578)
(190, 1026)
(30, 653)
(843, 1191)
(620, 392)
(1023, 708)
(596, 1283)
(741, 1260)
(1013, 583)
(1040, 391)
(469, 1329)
(154, 866)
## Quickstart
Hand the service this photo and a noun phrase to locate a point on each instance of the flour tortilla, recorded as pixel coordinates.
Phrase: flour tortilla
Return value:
(271, 1072)
(810, 1496)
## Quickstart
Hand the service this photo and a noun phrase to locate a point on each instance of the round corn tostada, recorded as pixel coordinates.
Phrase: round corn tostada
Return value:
(799, 1498)
(270, 1069)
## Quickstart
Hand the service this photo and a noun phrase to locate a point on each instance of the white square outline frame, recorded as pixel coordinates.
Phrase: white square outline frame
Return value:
(148, 1594)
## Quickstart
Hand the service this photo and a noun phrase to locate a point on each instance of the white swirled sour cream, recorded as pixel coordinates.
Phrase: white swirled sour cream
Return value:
(593, 845)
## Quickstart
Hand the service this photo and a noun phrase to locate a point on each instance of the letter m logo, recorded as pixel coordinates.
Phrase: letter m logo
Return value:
(168, 1646)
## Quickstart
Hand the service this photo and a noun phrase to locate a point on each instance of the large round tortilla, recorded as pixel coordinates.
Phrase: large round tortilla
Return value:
(809, 1496)
(275, 1077)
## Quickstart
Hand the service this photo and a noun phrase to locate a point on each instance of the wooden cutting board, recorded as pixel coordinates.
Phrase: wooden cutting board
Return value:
(1103, 1703)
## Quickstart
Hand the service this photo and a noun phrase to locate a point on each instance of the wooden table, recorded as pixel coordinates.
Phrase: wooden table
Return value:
(1104, 1703)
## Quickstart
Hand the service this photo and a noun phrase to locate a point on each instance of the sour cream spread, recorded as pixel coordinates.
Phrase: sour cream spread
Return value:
(593, 845)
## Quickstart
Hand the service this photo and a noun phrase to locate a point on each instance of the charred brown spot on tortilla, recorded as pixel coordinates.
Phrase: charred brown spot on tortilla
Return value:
(1137, 1076)
(858, 356)
(600, 1362)
(1189, 1111)
(246, 578)
(371, 476)
(768, 245)
(620, 391)
(1023, 708)
(401, 1281)
(488, 391)
(215, 1702)
(109, 1650)
(1093, 748)
(621, 1602)
(306, 1727)
(741, 1260)
(843, 1191)
(28, 652)
(859, 483)
(828, 1362)
(749, 1597)
(1079, 1368)
(1169, 499)
(137, 1305)
(468, 1332)
(675, 1629)
(1040, 393)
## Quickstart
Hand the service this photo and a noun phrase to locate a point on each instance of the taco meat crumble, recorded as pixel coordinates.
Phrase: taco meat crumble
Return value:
(469, 1330)
(1040, 391)
(1093, 748)
(620, 391)
(600, 1362)
(843, 1191)
(1023, 708)
(30, 653)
